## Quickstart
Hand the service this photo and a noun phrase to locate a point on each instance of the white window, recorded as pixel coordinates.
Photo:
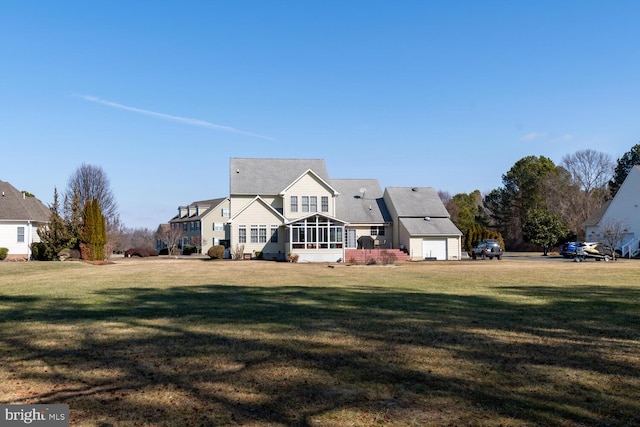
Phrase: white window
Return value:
(377, 230)
(294, 203)
(314, 204)
(242, 234)
(218, 226)
(305, 203)
(325, 203)
(225, 213)
(20, 234)
(254, 234)
(262, 234)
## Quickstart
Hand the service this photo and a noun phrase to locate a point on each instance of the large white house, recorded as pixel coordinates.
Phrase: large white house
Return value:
(623, 212)
(20, 217)
(292, 206)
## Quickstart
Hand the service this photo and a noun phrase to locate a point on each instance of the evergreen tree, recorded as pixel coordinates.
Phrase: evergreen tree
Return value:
(100, 231)
(73, 218)
(625, 163)
(53, 236)
(545, 229)
(88, 232)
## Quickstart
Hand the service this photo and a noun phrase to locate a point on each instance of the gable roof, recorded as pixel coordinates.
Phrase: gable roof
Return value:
(15, 206)
(260, 200)
(417, 202)
(430, 227)
(270, 176)
(358, 208)
(315, 176)
(205, 206)
(595, 218)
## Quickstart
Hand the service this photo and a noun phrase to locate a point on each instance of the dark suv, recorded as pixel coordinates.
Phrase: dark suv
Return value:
(487, 249)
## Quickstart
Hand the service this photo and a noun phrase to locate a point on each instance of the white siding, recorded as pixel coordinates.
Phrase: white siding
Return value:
(9, 238)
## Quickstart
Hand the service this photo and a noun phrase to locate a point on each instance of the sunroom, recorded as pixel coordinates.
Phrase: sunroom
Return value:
(316, 238)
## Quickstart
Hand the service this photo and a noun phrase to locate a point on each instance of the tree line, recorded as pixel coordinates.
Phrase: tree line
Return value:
(541, 204)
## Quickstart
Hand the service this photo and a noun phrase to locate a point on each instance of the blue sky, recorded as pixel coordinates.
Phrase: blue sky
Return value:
(413, 93)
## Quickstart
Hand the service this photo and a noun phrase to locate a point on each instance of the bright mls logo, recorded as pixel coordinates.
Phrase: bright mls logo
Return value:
(37, 415)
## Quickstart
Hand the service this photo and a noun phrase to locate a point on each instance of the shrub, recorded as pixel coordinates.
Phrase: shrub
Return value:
(141, 252)
(216, 252)
(3, 253)
(293, 257)
(371, 261)
(164, 251)
(38, 251)
(388, 257)
(238, 251)
(259, 255)
(189, 249)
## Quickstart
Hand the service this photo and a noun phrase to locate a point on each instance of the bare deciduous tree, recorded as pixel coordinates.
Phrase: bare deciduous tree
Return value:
(91, 182)
(589, 171)
(611, 233)
(170, 234)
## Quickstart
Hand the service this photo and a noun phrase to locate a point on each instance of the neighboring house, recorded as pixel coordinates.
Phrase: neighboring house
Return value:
(203, 223)
(20, 217)
(622, 211)
(282, 206)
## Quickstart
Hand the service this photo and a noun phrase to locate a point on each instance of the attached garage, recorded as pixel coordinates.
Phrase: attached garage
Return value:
(430, 238)
(434, 249)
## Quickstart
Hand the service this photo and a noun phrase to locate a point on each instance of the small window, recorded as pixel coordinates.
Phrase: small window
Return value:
(254, 234)
(262, 234)
(218, 226)
(313, 204)
(274, 234)
(294, 203)
(325, 203)
(242, 234)
(20, 234)
(225, 213)
(377, 230)
(305, 203)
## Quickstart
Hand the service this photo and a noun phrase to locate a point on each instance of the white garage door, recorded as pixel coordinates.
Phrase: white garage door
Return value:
(434, 248)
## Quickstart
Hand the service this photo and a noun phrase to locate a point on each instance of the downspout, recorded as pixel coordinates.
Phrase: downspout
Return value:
(29, 240)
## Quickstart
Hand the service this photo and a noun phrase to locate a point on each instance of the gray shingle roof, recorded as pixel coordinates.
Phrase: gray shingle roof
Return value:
(356, 208)
(417, 202)
(14, 206)
(430, 227)
(204, 207)
(269, 176)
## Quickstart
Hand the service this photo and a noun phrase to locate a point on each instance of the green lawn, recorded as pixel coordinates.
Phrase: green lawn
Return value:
(159, 342)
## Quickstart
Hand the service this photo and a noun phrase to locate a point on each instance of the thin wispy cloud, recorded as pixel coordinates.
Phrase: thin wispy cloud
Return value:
(533, 136)
(185, 120)
(565, 137)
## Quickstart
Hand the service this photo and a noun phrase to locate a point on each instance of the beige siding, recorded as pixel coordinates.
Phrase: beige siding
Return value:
(214, 216)
(365, 230)
(258, 214)
(308, 185)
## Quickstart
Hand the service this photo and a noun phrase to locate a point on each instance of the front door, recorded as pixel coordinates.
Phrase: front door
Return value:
(351, 239)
